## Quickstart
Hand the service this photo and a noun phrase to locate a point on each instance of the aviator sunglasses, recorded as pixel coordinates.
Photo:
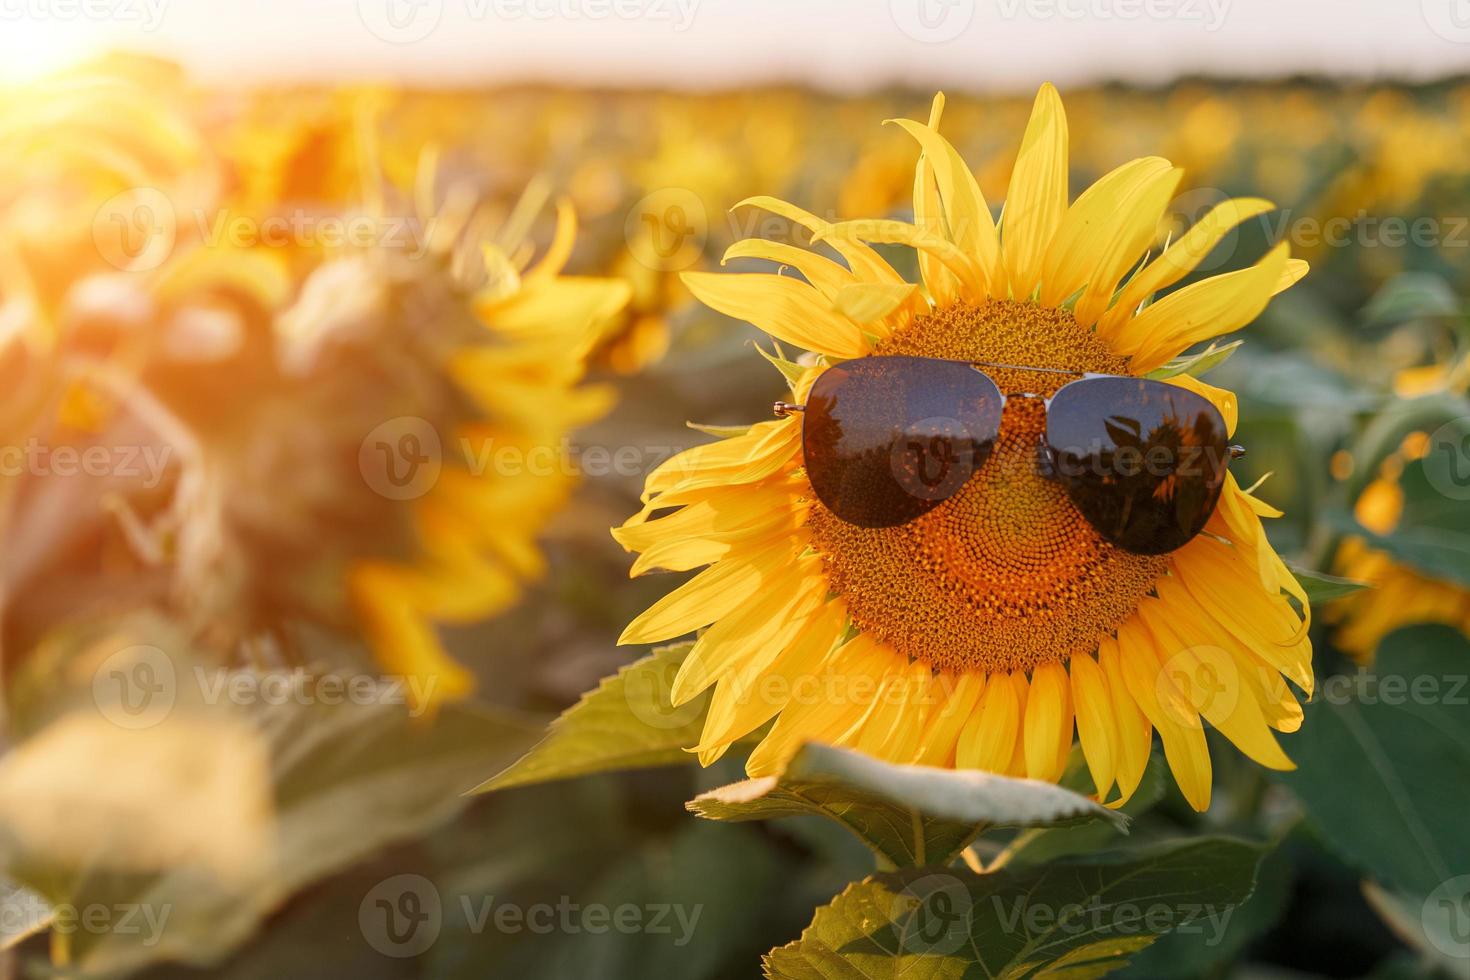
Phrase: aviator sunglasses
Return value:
(887, 439)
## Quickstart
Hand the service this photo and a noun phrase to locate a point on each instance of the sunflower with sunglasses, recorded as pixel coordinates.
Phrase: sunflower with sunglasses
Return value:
(994, 514)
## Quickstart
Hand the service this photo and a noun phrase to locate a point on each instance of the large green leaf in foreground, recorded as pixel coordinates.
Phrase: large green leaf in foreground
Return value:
(1383, 761)
(1070, 920)
(629, 722)
(912, 816)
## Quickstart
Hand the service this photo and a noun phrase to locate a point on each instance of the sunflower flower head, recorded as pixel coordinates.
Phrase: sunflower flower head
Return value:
(352, 446)
(1401, 595)
(988, 631)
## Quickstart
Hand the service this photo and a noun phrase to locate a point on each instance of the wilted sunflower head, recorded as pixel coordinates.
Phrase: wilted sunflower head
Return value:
(322, 456)
(981, 634)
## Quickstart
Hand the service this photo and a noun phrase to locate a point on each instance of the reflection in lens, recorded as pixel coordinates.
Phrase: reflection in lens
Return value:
(1142, 460)
(889, 438)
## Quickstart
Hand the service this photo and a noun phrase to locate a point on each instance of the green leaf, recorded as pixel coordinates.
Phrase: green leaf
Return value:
(1322, 587)
(1412, 296)
(911, 816)
(1067, 920)
(790, 370)
(1198, 363)
(1435, 926)
(1383, 761)
(629, 722)
(1186, 955)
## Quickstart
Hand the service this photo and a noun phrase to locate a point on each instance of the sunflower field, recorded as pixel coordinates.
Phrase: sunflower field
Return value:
(405, 573)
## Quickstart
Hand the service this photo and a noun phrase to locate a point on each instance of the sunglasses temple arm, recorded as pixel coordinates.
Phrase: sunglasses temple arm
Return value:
(784, 409)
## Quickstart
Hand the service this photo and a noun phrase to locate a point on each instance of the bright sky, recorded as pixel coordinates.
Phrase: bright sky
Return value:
(843, 44)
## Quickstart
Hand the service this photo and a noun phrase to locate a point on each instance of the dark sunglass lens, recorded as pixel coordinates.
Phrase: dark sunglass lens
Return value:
(1142, 460)
(889, 438)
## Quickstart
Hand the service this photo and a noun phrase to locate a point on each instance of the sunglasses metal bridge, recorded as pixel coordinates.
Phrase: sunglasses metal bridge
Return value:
(783, 409)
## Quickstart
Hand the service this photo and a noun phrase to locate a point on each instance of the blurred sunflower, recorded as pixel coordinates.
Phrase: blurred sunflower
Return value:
(343, 440)
(522, 363)
(984, 633)
(1400, 595)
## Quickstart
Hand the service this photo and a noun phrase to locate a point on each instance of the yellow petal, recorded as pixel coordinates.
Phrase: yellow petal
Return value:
(712, 594)
(864, 262)
(560, 248)
(1291, 275)
(827, 276)
(890, 232)
(1135, 733)
(1137, 228)
(891, 732)
(786, 308)
(989, 738)
(966, 215)
(721, 461)
(845, 689)
(1048, 722)
(769, 622)
(1098, 216)
(1095, 728)
(1037, 196)
(1165, 708)
(754, 692)
(1220, 305)
(942, 285)
(1207, 677)
(873, 302)
(959, 695)
(1223, 400)
(1179, 259)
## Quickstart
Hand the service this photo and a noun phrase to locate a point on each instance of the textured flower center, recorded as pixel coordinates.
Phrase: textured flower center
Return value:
(1006, 574)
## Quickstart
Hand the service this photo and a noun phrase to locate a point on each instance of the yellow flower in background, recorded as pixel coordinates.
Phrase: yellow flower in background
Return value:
(504, 473)
(982, 634)
(96, 165)
(366, 435)
(1399, 595)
